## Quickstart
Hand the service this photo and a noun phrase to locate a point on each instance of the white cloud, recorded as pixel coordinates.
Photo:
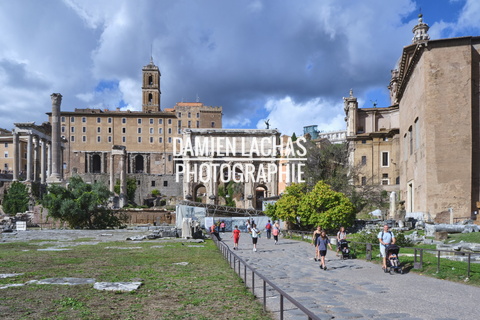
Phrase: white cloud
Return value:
(289, 117)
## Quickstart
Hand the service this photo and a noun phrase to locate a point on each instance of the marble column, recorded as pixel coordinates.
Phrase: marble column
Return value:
(49, 159)
(56, 139)
(43, 164)
(29, 158)
(123, 181)
(112, 182)
(16, 155)
(36, 158)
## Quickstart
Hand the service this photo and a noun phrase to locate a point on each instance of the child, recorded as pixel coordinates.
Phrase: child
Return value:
(236, 237)
(322, 243)
(393, 260)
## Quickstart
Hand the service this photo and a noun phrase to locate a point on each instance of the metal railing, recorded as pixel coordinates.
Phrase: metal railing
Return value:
(238, 264)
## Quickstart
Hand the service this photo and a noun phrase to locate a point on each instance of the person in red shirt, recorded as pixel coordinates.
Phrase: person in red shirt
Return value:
(236, 237)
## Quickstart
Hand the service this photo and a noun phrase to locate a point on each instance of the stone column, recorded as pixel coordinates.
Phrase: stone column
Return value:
(29, 158)
(49, 159)
(43, 164)
(16, 154)
(112, 182)
(123, 180)
(36, 158)
(56, 139)
(89, 163)
(102, 162)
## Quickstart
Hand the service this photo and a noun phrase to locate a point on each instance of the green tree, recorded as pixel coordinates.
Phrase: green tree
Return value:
(326, 208)
(81, 205)
(286, 208)
(131, 188)
(16, 198)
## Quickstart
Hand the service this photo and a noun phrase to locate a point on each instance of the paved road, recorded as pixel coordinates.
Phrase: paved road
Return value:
(352, 289)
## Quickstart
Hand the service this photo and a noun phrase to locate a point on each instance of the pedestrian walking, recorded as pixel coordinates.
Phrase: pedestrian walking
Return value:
(322, 243)
(315, 236)
(255, 235)
(222, 226)
(276, 231)
(341, 236)
(268, 229)
(236, 237)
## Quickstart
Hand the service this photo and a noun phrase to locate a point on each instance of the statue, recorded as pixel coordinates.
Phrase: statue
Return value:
(267, 123)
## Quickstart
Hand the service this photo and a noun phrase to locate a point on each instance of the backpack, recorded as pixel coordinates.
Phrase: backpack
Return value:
(388, 232)
(268, 226)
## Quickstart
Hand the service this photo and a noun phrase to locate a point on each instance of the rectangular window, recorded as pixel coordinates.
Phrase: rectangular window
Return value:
(189, 124)
(198, 114)
(139, 121)
(165, 183)
(364, 160)
(213, 124)
(169, 121)
(99, 139)
(198, 124)
(99, 129)
(124, 130)
(160, 121)
(99, 120)
(72, 129)
(139, 139)
(84, 129)
(110, 130)
(63, 119)
(364, 181)
(160, 130)
(84, 119)
(72, 138)
(84, 138)
(385, 159)
(169, 130)
(139, 130)
(151, 121)
(410, 140)
(124, 139)
(151, 130)
(364, 141)
(179, 123)
(179, 114)
(109, 120)
(63, 129)
(6, 154)
(189, 114)
(6, 144)
(124, 120)
(179, 130)
(153, 183)
(72, 119)
(160, 140)
(169, 139)
(417, 134)
(151, 139)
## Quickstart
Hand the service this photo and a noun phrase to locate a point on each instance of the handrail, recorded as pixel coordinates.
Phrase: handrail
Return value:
(231, 256)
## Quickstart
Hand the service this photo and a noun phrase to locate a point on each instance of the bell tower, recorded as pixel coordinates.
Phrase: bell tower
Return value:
(151, 88)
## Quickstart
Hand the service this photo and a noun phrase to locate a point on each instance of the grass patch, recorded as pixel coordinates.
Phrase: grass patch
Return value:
(203, 288)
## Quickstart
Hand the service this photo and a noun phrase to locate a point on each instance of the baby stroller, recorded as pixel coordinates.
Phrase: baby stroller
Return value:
(345, 251)
(393, 264)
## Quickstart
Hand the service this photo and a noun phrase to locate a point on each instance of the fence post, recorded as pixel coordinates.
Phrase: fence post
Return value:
(438, 261)
(468, 266)
(368, 252)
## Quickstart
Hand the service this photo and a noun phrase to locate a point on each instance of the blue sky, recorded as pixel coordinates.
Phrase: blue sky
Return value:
(287, 61)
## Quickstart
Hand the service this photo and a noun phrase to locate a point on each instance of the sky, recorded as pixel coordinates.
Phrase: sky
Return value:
(288, 61)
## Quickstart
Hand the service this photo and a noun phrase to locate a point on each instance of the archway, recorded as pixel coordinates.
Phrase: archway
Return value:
(260, 194)
(139, 166)
(96, 164)
(200, 194)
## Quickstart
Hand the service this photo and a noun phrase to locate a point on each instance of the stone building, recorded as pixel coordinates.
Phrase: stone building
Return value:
(146, 135)
(432, 125)
(213, 158)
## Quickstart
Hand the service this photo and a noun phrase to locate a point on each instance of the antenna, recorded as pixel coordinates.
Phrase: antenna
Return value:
(374, 102)
(198, 98)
